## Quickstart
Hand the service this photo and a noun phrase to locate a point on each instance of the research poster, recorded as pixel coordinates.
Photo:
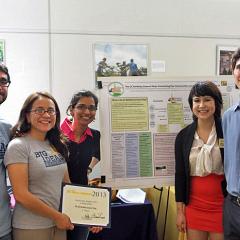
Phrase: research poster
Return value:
(139, 122)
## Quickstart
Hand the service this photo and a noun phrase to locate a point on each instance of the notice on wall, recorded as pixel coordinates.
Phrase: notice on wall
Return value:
(139, 122)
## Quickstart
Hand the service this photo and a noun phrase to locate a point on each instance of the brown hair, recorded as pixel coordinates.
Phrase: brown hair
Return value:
(23, 126)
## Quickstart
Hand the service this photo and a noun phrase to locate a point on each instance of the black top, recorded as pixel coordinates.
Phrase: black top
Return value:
(80, 156)
(183, 145)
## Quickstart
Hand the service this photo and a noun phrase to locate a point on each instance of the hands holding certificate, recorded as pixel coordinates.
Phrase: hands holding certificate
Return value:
(88, 206)
(95, 229)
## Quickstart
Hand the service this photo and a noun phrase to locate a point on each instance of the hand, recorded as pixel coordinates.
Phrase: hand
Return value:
(181, 222)
(63, 222)
(95, 229)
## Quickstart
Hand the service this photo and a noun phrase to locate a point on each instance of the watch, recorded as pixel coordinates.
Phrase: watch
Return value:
(89, 170)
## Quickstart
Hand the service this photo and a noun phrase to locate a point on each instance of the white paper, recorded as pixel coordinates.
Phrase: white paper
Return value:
(158, 66)
(135, 195)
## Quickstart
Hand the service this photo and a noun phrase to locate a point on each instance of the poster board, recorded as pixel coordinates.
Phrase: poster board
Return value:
(139, 120)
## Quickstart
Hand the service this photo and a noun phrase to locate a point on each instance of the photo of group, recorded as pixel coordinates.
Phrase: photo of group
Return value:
(224, 56)
(112, 60)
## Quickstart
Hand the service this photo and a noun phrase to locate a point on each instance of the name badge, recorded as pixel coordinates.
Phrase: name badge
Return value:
(221, 143)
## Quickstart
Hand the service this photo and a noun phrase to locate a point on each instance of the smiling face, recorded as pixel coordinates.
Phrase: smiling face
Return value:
(3, 89)
(203, 107)
(83, 112)
(41, 123)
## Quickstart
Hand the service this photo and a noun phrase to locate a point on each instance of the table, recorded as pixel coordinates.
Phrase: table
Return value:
(129, 222)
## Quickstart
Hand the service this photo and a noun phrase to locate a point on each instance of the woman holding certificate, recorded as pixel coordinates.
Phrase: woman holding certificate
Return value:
(84, 146)
(36, 163)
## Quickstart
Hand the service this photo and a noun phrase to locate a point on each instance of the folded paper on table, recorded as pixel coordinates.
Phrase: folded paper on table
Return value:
(135, 195)
(88, 206)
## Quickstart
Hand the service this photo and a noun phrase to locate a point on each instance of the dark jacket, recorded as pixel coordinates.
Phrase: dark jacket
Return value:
(183, 145)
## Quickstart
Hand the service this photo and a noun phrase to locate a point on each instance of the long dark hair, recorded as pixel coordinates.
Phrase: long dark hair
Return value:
(23, 126)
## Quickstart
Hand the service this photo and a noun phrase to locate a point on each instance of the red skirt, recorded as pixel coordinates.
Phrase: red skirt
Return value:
(205, 209)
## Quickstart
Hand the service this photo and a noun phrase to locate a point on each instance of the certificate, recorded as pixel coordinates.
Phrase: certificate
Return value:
(88, 206)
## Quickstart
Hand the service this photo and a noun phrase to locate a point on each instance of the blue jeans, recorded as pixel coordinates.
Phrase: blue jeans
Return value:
(78, 233)
(7, 237)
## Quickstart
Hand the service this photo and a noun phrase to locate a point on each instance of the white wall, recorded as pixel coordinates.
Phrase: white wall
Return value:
(24, 27)
(156, 17)
(49, 43)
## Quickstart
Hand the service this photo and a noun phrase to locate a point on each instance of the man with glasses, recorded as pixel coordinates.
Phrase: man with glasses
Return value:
(5, 215)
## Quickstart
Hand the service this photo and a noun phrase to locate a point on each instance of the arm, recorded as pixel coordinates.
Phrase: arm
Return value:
(66, 178)
(18, 174)
(180, 184)
(93, 162)
(96, 150)
(181, 218)
(180, 175)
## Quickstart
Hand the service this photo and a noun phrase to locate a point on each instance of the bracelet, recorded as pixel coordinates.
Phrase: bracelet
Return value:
(89, 170)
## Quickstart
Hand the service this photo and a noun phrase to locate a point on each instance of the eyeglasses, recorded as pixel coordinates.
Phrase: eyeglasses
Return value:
(4, 82)
(84, 107)
(42, 111)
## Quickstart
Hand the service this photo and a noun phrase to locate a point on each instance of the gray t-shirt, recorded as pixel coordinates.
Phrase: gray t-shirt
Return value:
(5, 215)
(46, 169)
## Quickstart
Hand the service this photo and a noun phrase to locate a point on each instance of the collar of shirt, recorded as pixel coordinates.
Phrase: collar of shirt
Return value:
(67, 130)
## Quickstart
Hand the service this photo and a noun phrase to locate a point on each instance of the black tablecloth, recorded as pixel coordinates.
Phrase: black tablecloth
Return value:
(129, 222)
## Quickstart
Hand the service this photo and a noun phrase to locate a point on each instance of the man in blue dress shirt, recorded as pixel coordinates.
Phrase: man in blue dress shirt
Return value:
(231, 131)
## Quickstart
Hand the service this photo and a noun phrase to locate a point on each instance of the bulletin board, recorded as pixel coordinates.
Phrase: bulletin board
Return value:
(139, 121)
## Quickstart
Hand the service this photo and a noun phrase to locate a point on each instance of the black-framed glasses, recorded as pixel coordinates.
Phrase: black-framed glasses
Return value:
(41, 111)
(84, 107)
(4, 82)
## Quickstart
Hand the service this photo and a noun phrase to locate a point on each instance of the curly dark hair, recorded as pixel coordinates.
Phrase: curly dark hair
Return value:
(53, 135)
(206, 88)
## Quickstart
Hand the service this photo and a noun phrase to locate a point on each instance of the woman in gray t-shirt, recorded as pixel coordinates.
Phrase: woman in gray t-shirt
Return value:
(36, 164)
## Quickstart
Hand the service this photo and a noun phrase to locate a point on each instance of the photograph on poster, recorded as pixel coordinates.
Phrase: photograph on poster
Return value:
(224, 56)
(2, 51)
(114, 60)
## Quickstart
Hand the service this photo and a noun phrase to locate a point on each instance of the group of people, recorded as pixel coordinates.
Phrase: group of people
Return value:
(43, 153)
(40, 154)
(130, 69)
(207, 155)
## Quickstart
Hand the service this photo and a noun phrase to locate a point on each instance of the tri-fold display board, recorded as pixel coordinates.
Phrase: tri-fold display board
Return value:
(139, 120)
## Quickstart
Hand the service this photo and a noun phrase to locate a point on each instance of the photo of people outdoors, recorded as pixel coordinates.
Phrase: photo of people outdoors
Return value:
(113, 60)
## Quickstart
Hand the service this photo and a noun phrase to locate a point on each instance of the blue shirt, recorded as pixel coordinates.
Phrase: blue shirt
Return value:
(133, 67)
(231, 133)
